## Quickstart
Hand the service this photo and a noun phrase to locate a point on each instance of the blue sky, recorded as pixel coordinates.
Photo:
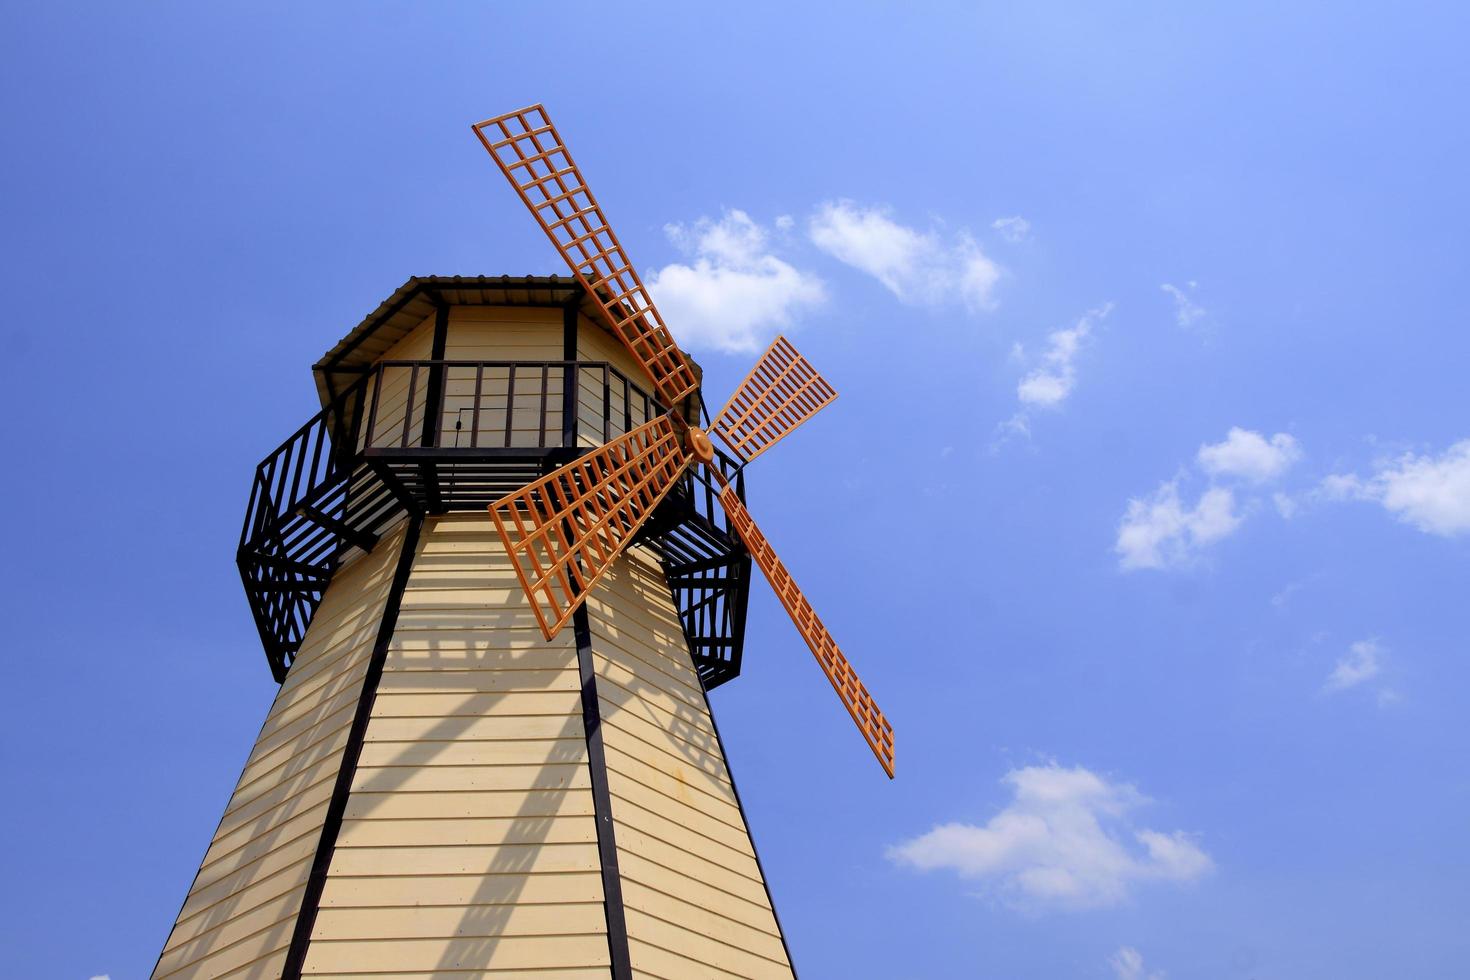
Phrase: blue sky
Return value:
(1144, 511)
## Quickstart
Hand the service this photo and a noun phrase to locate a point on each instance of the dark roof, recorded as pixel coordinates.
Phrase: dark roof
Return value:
(416, 299)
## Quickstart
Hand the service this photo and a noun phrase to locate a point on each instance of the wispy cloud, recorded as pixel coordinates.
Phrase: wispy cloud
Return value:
(735, 294)
(1066, 840)
(1013, 229)
(1186, 311)
(1284, 596)
(1431, 493)
(1362, 663)
(1127, 964)
(921, 268)
(1161, 532)
(1050, 382)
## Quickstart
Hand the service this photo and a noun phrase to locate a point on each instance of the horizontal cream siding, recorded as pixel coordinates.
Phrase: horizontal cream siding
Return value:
(389, 403)
(504, 333)
(531, 401)
(695, 899)
(517, 408)
(626, 409)
(242, 907)
(469, 841)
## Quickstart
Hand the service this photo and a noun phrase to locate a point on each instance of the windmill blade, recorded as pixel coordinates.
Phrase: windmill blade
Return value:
(782, 391)
(859, 703)
(564, 530)
(528, 150)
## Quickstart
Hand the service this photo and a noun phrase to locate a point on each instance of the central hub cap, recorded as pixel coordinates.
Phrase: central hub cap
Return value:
(700, 446)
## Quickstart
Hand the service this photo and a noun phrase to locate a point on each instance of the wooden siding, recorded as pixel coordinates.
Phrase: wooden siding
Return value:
(695, 898)
(522, 334)
(392, 399)
(469, 842)
(505, 333)
(623, 412)
(242, 906)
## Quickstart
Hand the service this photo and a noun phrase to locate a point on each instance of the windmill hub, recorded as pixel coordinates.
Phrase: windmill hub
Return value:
(700, 445)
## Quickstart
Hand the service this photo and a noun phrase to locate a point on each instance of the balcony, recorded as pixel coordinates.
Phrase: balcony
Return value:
(429, 437)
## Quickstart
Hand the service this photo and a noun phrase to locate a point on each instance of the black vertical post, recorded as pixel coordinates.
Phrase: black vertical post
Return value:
(434, 404)
(607, 848)
(571, 377)
(316, 881)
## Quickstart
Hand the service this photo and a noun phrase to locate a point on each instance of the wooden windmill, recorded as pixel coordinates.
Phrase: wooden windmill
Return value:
(492, 751)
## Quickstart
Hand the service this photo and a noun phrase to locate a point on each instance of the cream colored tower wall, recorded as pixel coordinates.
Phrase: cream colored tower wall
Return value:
(469, 841)
(241, 909)
(695, 899)
(392, 400)
(596, 344)
(502, 333)
(505, 333)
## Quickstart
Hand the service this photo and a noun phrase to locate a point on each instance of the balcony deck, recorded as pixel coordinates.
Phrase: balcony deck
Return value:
(428, 437)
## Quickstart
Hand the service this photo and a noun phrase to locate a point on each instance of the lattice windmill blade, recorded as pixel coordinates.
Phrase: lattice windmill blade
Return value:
(564, 530)
(870, 721)
(527, 149)
(782, 391)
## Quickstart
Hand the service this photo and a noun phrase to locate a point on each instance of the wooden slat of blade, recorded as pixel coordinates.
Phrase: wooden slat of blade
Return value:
(564, 530)
(870, 720)
(529, 151)
(782, 391)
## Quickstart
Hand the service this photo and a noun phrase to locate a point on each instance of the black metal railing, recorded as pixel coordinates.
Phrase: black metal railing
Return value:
(313, 458)
(431, 436)
(502, 404)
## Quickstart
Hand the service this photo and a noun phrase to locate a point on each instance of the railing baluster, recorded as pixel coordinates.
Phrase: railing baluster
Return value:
(606, 401)
(277, 488)
(475, 411)
(510, 403)
(312, 476)
(413, 381)
(545, 378)
(377, 377)
(300, 465)
(628, 409)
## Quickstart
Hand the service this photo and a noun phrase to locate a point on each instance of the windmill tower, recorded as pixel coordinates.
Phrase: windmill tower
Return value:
(496, 576)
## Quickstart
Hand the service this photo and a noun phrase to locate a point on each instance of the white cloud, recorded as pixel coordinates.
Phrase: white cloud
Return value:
(1015, 229)
(1159, 532)
(1066, 840)
(917, 267)
(1186, 311)
(1432, 493)
(1361, 663)
(1127, 964)
(1162, 532)
(1249, 455)
(102, 977)
(736, 295)
(1050, 384)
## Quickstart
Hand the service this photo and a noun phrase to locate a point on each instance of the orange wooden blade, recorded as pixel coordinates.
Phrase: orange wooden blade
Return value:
(854, 695)
(563, 531)
(526, 147)
(782, 391)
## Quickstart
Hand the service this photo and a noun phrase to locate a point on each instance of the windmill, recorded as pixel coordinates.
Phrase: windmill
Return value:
(495, 577)
(567, 528)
